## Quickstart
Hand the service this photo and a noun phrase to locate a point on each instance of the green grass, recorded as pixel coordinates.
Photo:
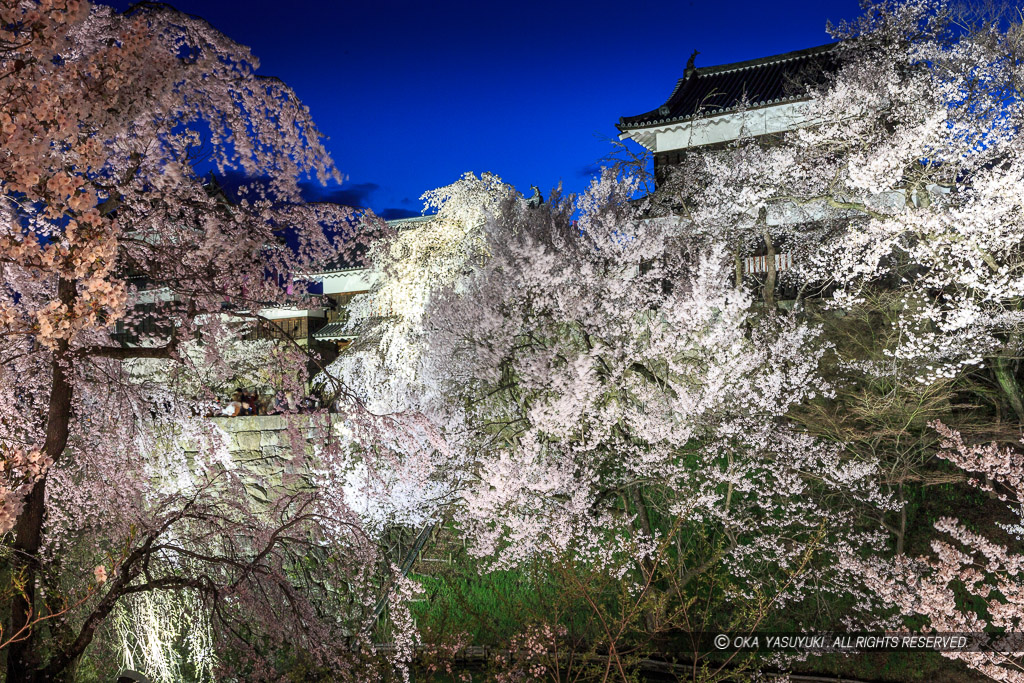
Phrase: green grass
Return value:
(490, 607)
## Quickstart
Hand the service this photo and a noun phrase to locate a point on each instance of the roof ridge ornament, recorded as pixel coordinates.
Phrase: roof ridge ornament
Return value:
(536, 199)
(691, 69)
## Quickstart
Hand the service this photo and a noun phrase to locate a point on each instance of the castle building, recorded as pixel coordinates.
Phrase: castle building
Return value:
(718, 104)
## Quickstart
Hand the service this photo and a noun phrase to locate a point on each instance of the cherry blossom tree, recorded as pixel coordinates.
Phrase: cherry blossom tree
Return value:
(926, 160)
(117, 251)
(970, 583)
(617, 403)
(382, 366)
(611, 375)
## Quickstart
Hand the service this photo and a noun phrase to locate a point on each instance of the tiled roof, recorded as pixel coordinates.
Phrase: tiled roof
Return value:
(718, 89)
(332, 331)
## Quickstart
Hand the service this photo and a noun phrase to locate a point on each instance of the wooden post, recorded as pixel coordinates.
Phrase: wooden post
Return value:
(769, 281)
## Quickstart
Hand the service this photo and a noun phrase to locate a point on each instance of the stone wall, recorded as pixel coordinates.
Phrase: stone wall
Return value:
(261, 447)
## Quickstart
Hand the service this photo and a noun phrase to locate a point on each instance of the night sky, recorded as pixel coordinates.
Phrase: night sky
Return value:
(412, 95)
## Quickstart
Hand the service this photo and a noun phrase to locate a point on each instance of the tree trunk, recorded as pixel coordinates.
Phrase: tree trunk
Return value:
(1007, 377)
(738, 262)
(902, 533)
(642, 515)
(728, 489)
(646, 566)
(23, 657)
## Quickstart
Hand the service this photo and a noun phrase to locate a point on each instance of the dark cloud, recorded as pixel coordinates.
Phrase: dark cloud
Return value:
(357, 194)
(589, 171)
(391, 214)
(407, 201)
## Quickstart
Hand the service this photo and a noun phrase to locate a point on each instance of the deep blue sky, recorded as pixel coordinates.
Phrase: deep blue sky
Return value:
(412, 95)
